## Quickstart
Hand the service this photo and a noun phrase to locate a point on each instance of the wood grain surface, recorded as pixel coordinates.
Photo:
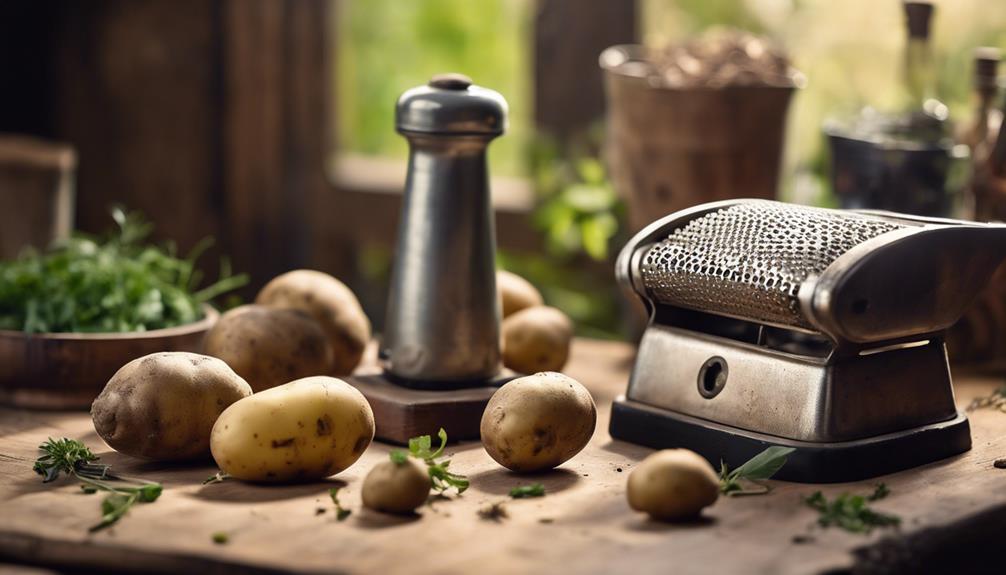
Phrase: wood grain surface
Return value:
(582, 525)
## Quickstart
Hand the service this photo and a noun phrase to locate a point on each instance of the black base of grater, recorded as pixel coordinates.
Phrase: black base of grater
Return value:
(810, 463)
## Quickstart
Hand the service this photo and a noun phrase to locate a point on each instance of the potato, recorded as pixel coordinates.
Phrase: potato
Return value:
(396, 487)
(536, 339)
(673, 484)
(516, 293)
(332, 304)
(270, 346)
(304, 430)
(538, 422)
(163, 405)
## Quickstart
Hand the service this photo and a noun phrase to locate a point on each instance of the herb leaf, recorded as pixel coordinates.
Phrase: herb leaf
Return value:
(442, 479)
(533, 490)
(398, 456)
(340, 513)
(217, 477)
(852, 512)
(74, 459)
(759, 468)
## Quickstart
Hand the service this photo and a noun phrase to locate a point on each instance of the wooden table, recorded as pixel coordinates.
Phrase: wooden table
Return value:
(953, 512)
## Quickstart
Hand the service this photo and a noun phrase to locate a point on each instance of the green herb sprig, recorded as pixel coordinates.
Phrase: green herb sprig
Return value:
(341, 513)
(218, 477)
(442, 478)
(525, 491)
(852, 512)
(759, 468)
(74, 459)
(112, 284)
(995, 400)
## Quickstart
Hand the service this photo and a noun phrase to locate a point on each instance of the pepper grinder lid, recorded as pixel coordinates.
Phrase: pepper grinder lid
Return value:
(451, 104)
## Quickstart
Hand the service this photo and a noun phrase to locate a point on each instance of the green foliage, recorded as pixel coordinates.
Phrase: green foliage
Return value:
(852, 512)
(388, 46)
(759, 468)
(340, 512)
(443, 479)
(524, 491)
(115, 285)
(74, 459)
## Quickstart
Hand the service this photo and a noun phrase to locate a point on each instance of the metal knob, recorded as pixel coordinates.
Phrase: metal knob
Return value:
(442, 324)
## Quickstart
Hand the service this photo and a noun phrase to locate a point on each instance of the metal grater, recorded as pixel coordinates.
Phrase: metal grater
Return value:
(778, 324)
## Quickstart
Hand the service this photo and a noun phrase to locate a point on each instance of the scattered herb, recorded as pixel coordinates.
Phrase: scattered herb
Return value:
(999, 464)
(852, 512)
(494, 512)
(221, 538)
(74, 459)
(340, 513)
(117, 284)
(399, 457)
(546, 520)
(217, 477)
(995, 400)
(758, 468)
(421, 448)
(800, 539)
(524, 491)
(319, 510)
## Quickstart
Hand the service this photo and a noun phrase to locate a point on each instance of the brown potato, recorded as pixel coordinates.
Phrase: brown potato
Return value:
(673, 484)
(269, 346)
(537, 422)
(396, 487)
(332, 304)
(536, 339)
(163, 406)
(516, 293)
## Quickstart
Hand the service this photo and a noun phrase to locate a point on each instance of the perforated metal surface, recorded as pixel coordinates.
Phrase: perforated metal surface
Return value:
(749, 260)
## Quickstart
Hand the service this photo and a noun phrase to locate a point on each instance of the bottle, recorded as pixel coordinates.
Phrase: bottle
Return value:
(986, 117)
(925, 115)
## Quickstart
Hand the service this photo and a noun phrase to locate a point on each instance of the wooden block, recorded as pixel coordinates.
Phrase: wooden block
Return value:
(402, 413)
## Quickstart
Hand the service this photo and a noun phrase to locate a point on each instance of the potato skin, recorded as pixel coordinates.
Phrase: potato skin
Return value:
(269, 346)
(396, 487)
(536, 339)
(516, 293)
(537, 422)
(162, 406)
(673, 484)
(332, 304)
(305, 430)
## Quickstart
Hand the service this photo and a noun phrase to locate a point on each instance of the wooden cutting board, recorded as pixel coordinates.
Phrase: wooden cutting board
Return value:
(950, 511)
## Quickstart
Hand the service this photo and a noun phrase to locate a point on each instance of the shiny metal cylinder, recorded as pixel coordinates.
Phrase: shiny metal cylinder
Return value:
(442, 324)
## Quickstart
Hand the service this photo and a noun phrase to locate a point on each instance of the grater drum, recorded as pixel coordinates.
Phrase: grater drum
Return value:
(818, 329)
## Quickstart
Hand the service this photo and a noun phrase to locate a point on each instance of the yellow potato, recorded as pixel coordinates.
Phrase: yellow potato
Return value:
(332, 304)
(536, 339)
(516, 293)
(396, 487)
(305, 430)
(269, 346)
(673, 484)
(162, 406)
(538, 422)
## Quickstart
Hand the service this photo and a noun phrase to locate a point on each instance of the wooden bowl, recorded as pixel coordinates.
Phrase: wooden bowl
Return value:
(68, 370)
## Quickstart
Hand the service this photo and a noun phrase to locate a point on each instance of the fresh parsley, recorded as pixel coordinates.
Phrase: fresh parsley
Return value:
(217, 477)
(852, 512)
(524, 491)
(221, 537)
(442, 478)
(74, 459)
(112, 284)
(759, 468)
(340, 512)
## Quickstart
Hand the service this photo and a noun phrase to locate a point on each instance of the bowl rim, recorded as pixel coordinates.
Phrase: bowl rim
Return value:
(210, 315)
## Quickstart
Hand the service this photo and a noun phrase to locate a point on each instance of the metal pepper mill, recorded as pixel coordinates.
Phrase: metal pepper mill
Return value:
(440, 350)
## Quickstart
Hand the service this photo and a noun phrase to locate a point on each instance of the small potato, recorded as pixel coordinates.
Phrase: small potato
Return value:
(537, 422)
(396, 487)
(536, 339)
(516, 293)
(269, 346)
(332, 304)
(162, 406)
(305, 430)
(673, 484)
